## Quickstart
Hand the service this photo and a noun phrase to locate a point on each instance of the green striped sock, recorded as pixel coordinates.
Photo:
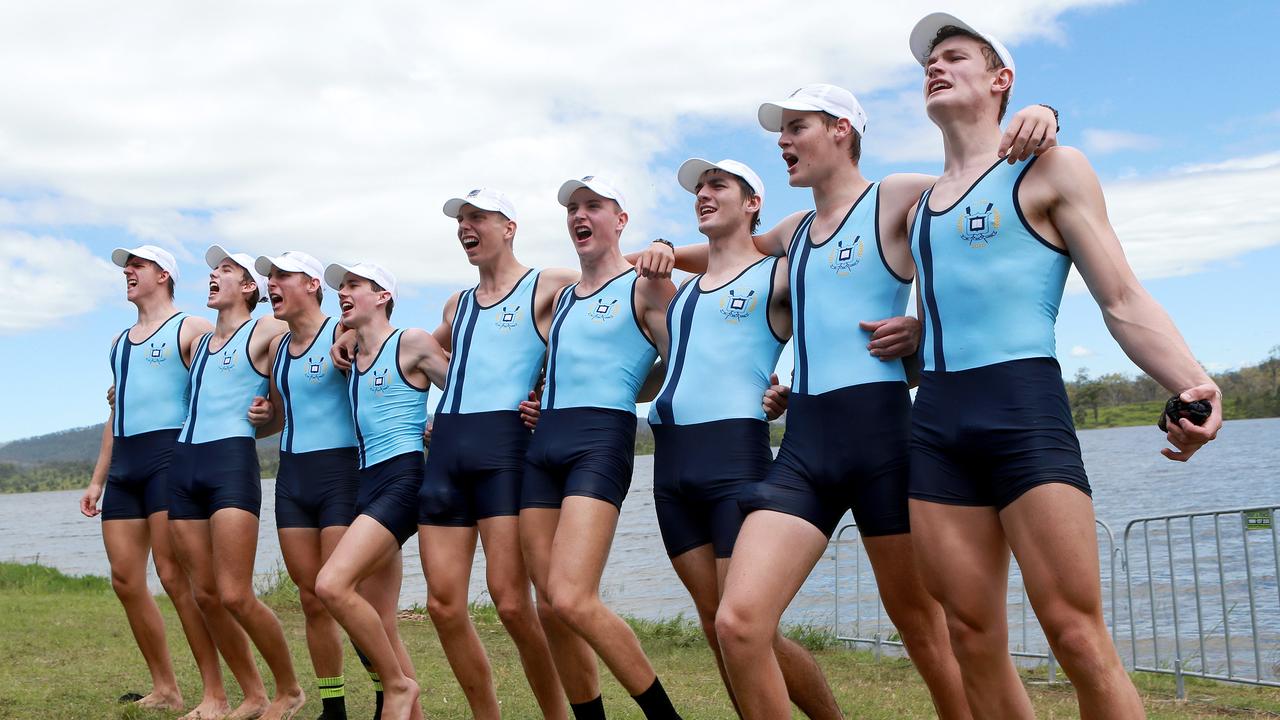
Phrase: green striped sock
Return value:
(333, 696)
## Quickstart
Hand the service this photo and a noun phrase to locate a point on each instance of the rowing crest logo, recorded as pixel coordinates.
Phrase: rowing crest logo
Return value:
(508, 318)
(228, 361)
(315, 369)
(157, 354)
(844, 256)
(736, 307)
(379, 383)
(603, 309)
(977, 228)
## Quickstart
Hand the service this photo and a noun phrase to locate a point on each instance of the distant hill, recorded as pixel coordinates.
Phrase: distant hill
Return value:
(76, 444)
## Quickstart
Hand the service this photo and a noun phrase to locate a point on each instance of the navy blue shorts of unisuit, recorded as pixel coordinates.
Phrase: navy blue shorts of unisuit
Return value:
(699, 474)
(137, 481)
(985, 436)
(389, 493)
(211, 476)
(317, 489)
(587, 452)
(474, 468)
(843, 450)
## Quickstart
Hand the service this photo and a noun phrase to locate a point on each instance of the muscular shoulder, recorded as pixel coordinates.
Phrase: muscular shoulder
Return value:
(1060, 173)
(450, 308)
(902, 190)
(775, 240)
(554, 279)
(193, 326)
(269, 328)
(654, 293)
(418, 342)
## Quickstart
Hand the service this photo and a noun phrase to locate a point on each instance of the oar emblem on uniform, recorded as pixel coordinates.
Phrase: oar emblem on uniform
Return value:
(977, 228)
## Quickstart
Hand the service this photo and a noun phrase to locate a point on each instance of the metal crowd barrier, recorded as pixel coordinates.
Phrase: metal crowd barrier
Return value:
(1201, 597)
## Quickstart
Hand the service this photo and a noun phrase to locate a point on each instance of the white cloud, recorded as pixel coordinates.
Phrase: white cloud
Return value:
(1103, 142)
(47, 279)
(1080, 351)
(342, 127)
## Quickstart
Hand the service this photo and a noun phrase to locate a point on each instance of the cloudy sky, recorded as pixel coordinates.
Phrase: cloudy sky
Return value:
(341, 129)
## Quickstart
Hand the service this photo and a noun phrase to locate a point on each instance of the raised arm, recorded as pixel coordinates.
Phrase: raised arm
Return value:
(1072, 199)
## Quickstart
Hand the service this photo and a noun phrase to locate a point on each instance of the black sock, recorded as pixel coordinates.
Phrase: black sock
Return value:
(377, 683)
(655, 704)
(589, 710)
(333, 698)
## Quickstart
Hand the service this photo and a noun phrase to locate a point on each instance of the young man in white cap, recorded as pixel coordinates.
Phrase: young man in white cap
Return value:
(848, 264)
(319, 471)
(600, 352)
(390, 374)
(149, 364)
(725, 330)
(995, 463)
(215, 489)
(496, 332)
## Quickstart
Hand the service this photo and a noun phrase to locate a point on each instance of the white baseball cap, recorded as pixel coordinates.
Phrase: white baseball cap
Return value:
(215, 255)
(157, 255)
(818, 97)
(367, 270)
(595, 184)
(691, 170)
(926, 30)
(291, 261)
(485, 199)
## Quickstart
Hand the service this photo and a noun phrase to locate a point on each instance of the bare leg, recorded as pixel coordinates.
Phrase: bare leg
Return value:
(1051, 530)
(446, 554)
(194, 546)
(127, 543)
(382, 590)
(578, 554)
(698, 570)
(305, 550)
(920, 620)
(235, 543)
(575, 661)
(964, 561)
(773, 555)
(213, 701)
(363, 550)
(510, 589)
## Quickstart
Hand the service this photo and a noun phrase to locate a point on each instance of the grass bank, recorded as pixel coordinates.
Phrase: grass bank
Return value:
(67, 653)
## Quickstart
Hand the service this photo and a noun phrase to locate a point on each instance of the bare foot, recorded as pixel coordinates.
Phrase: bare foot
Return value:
(250, 709)
(156, 700)
(209, 710)
(286, 705)
(399, 704)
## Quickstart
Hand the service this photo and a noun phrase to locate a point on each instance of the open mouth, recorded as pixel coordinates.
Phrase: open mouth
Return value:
(470, 242)
(937, 85)
(346, 305)
(213, 287)
(131, 282)
(705, 210)
(582, 233)
(790, 159)
(276, 299)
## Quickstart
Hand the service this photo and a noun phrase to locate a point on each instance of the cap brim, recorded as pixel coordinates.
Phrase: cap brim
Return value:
(770, 113)
(334, 274)
(120, 256)
(214, 256)
(690, 173)
(264, 264)
(567, 190)
(453, 206)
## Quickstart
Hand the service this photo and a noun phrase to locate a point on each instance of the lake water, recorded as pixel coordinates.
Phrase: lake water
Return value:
(1130, 479)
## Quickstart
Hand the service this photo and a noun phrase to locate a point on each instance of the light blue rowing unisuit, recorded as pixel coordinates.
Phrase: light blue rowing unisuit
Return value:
(834, 286)
(722, 350)
(497, 351)
(597, 356)
(224, 383)
(317, 410)
(390, 413)
(991, 285)
(153, 384)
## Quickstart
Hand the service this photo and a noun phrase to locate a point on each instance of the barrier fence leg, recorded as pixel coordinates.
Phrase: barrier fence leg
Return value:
(1053, 668)
(1178, 687)
(877, 650)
